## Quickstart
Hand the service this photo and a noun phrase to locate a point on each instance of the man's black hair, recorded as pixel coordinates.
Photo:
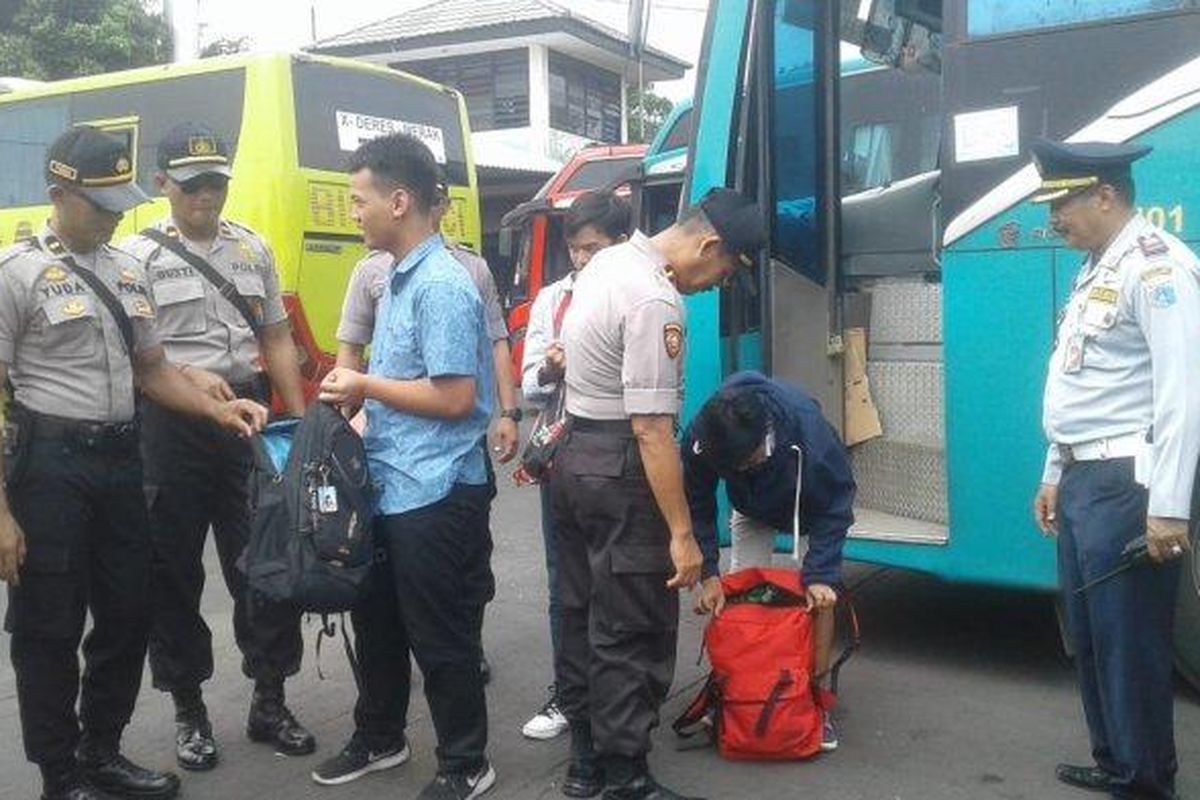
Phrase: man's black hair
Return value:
(603, 210)
(730, 427)
(1124, 187)
(400, 161)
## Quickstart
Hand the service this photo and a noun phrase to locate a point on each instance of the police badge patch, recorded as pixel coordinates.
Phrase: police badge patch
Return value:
(673, 339)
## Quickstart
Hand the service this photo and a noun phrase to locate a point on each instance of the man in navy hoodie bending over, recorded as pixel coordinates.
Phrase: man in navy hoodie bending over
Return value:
(782, 463)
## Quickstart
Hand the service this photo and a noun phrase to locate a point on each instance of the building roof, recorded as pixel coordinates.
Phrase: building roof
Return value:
(444, 23)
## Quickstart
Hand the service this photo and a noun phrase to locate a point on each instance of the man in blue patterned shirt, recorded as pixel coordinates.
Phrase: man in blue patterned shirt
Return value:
(427, 393)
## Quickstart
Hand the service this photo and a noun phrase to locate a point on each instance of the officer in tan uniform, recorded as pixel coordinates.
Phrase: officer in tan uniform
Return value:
(222, 320)
(76, 331)
(625, 537)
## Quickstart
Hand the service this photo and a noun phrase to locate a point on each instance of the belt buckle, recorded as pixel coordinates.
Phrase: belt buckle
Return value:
(1067, 453)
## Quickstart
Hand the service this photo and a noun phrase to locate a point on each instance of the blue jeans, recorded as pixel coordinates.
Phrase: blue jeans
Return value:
(551, 568)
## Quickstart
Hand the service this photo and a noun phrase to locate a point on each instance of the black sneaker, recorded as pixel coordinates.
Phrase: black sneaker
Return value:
(356, 760)
(460, 786)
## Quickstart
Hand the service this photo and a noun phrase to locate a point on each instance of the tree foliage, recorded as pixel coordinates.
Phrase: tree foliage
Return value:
(225, 47)
(53, 39)
(647, 112)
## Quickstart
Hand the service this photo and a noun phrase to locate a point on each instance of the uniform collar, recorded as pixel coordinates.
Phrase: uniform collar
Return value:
(641, 242)
(418, 254)
(46, 234)
(1124, 241)
(224, 231)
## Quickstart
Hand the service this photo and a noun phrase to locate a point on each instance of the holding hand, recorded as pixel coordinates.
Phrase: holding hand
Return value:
(820, 596)
(210, 383)
(711, 599)
(12, 549)
(1044, 508)
(243, 417)
(687, 558)
(504, 439)
(343, 387)
(1167, 539)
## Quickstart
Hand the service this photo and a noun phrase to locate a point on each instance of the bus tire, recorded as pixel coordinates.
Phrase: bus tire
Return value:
(1187, 620)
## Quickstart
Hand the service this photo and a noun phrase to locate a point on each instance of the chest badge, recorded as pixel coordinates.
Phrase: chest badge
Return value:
(673, 339)
(73, 308)
(128, 275)
(142, 308)
(55, 274)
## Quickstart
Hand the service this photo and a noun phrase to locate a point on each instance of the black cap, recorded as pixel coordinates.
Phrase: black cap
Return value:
(190, 149)
(738, 221)
(1068, 167)
(97, 165)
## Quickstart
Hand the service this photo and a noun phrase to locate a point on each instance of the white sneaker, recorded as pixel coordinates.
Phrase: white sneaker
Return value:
(547, 723)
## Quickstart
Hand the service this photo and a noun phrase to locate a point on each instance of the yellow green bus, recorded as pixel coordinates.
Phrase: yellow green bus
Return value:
(291, 121)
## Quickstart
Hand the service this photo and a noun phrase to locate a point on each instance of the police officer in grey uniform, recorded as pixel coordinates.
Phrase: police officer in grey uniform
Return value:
(195, 479)
(625, 538)
(1122, 413)
(76, 330)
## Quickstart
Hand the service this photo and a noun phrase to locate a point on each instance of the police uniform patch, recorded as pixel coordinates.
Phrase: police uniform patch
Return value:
(201, 146)
(122, 166)
(1162, 295)
(73, 308)
(673, 339)
(55, 274)
(128, 275)
(1152, 244)
(1104, 294)
(142, 308)
(1156, 275)
(246, 250)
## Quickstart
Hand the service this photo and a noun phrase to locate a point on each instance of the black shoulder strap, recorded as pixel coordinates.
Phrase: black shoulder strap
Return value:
(55, 248)
(224, 286)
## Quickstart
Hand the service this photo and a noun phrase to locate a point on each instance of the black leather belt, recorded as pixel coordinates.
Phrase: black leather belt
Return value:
(616, 427)
(86, 433)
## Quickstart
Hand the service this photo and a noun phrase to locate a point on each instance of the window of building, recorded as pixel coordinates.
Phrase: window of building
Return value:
(584, 99)
(990, 17)
(495, 85)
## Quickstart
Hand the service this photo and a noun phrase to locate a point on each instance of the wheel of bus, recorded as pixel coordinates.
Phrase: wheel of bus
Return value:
(1187, 618)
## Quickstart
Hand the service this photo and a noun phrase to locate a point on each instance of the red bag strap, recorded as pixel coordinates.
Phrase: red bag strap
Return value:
(694, 718)
(827, 698)
(561, 311)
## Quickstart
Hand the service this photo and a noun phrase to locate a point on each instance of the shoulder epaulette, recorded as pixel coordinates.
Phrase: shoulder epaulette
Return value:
(19, 247)
(1152, 245)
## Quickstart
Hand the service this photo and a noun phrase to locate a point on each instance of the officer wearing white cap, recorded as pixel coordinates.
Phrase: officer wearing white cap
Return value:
(1122, 413)
(222, 320)
(624, 533)
(76, 330)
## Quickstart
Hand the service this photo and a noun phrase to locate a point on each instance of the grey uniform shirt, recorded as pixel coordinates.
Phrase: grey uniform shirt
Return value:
(370, 276)
(1127, 361)
(198, 326)
(63, 349)
(623, 338)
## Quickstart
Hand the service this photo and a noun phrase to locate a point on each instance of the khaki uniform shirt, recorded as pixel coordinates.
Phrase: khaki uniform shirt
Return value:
(1127, 361)
(198, 326)
(63, 349)
(624, 335)
(370, 276)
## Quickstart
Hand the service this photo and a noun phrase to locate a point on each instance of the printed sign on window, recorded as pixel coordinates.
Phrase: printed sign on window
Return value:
(354, 129)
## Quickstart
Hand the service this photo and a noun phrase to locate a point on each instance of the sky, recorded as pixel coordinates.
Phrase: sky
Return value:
(676, 26)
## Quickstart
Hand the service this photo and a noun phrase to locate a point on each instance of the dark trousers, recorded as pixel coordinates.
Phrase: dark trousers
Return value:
(81, 507)
(619, 620)
(431, 581)
(550, 540)
(1121, 629)
(196, 478)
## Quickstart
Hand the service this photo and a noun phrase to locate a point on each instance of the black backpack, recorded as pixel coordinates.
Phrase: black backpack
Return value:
(310, 536)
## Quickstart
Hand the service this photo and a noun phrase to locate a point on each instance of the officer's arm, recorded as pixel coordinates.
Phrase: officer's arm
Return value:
(350, 355)
(282, 362)
(163, 383)
(655, 434)
(700, 484)
(12, 540)
(1167, 305)
(506, 388)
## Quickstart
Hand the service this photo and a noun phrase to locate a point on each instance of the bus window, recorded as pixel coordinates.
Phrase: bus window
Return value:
(680, 134)
(868, 161)
(26, 133)
(794, 167)
(990, 17)
(601, 173)
(558, 258)
(339, 109)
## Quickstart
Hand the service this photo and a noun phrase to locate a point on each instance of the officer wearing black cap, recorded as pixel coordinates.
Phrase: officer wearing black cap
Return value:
(222, 320)
(624, 533)
(1122, 413)
(76, 330)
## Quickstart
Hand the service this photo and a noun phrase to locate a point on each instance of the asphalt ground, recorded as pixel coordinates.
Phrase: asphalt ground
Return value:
(958, 692)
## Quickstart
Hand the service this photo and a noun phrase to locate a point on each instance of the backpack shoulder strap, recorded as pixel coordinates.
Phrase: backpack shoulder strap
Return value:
(223, 285)
(55, 248)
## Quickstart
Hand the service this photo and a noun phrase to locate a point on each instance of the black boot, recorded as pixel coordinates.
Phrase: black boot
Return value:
(62, 781)
(585, 773)
(630, 779)
(195, 747)
(271, 722)
(105, 769)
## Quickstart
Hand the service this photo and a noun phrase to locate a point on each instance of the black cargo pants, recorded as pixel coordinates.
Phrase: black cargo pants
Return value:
(196, 477)
(76, 492)
(619, 620)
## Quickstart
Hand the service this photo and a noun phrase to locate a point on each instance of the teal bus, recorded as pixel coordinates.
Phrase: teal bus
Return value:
(896, 202)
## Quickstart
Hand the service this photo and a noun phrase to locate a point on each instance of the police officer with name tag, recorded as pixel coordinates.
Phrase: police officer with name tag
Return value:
(624, 533)
(222, 321)
(77, 331)
(1122, 414)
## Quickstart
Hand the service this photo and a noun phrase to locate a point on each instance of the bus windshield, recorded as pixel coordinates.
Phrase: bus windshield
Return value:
(991, 17)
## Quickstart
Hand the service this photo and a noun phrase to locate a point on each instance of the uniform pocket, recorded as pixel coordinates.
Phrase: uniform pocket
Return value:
(46, 603)
(180, 306)
(635, 598)
(69, 326)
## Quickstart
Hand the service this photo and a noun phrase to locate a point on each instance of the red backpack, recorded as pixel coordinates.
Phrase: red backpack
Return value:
(761, 701)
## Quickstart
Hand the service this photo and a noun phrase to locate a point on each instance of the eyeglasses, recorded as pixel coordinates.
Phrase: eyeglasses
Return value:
(209, 180)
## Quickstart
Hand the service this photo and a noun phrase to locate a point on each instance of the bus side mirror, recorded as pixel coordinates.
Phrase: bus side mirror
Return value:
(504, 244)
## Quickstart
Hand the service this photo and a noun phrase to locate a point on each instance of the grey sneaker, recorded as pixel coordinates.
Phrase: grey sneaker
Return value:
(356, 760)
(460, 786)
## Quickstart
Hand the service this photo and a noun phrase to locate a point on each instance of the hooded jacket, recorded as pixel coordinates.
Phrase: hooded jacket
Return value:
(767, 492)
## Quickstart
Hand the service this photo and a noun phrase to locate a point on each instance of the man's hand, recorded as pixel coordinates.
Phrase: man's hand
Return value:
(504, 440)
(554, 365)
(687, 558)
(12, 548)
(210, 383)
(343, 387)
(243, 417)
(820, 596)
(711, 599)
(1045, 505)
(1166, 538)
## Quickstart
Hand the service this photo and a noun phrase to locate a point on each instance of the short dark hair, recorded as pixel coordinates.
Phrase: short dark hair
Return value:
(730, 427)
(399, 160)
(603, 210)
(1124, 187)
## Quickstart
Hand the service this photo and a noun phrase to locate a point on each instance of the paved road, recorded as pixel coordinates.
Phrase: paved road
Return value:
(959, 693)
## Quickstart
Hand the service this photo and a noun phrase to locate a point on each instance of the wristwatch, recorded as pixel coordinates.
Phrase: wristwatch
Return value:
(512, 413)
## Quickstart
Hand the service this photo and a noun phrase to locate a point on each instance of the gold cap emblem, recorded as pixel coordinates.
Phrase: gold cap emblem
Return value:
(122, 166)
(202, 146)
(74, 308)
